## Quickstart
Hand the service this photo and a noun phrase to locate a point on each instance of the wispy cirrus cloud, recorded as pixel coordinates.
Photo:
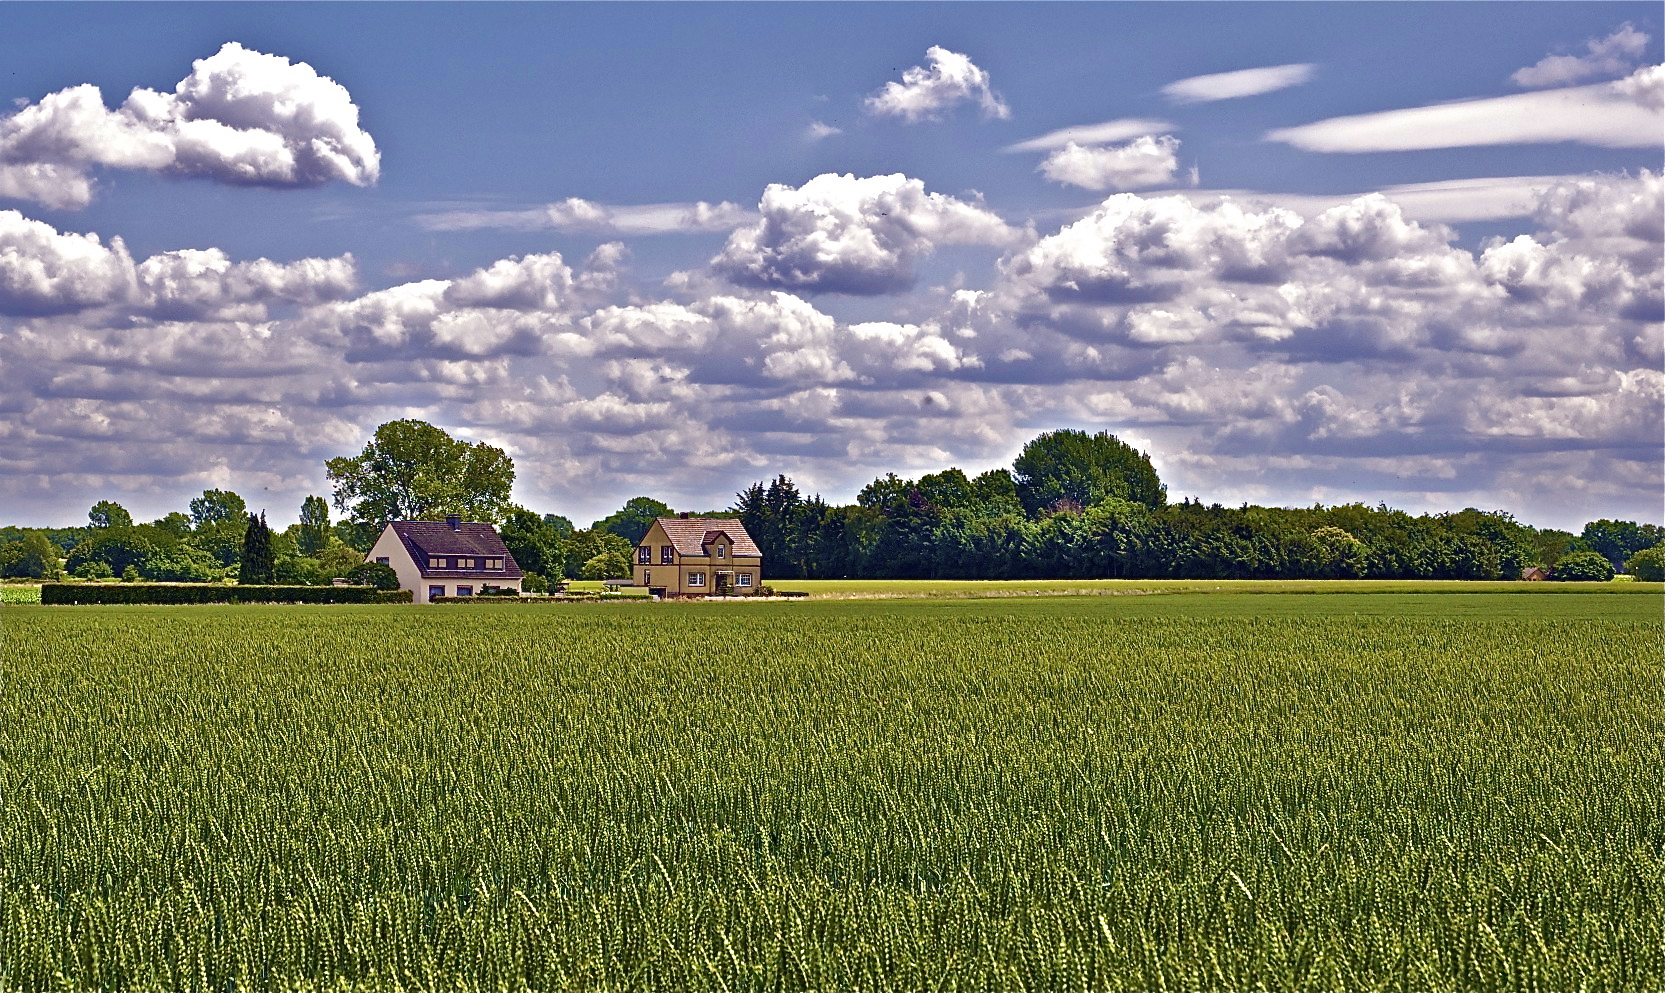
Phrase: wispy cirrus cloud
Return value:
(575, 214)
(1607, 115)
(1241, 83)
(1610, 56)
(1120, 129)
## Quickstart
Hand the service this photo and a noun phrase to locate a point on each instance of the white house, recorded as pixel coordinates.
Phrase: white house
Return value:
(445, 558)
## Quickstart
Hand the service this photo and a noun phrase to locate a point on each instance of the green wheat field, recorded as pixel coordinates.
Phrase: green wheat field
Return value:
(1356, 791)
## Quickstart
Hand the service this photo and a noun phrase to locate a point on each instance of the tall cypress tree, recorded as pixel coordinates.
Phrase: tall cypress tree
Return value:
(258, 564)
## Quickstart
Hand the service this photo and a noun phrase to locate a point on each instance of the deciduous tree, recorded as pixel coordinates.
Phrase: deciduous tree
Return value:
(412, 470)
(1084, 469)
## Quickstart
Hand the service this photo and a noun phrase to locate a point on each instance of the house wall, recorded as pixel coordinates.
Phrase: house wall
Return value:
(389, 546)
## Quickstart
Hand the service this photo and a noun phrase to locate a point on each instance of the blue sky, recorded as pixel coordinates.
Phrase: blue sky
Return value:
(669, 250)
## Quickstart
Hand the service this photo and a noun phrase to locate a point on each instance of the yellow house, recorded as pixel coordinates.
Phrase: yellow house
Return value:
(697, 556)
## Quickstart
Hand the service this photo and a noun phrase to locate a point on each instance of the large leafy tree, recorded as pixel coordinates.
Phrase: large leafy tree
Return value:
(218, 518)
(1063, 468)
(1619, 540)
(109, 514)
(313, 534)
(537, 543)
(35, 557)
(412, 470)
(631, 522)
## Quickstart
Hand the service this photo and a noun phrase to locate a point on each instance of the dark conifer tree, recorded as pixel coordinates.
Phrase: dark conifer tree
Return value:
(258, 564)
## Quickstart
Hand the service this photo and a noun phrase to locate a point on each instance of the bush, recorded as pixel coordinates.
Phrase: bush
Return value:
(130, 574)
(164, 593)
(498, 591)
(93, 570)
(1648, 565)
(382, 577)
(1583, 567)
(531, 582)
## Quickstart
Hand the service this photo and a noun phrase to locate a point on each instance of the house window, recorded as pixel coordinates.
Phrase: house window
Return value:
(696, 579)
(644, 555)
(494, 563)
(435, 562)
(465, 564)
(465, 591)
(667, 555)
(721, 551)
(647, 577)
(381, 560)
(434, 591)
(744, 579)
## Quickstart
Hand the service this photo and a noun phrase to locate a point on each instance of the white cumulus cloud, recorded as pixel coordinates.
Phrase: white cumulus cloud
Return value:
(240, 117)
(844, 234)
(925, 92)
(1610, 56)
(1141, 163)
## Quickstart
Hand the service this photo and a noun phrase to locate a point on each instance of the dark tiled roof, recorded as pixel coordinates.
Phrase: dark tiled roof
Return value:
(690, 534)
(424, 538)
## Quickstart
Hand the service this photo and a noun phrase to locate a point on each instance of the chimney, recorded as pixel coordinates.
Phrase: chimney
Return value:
(683, 515)
(454, 522)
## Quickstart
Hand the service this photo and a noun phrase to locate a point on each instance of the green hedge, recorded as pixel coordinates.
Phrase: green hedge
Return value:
(90, 593)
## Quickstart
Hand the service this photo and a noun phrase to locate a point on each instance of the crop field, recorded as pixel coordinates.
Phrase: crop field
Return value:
(1356, 791)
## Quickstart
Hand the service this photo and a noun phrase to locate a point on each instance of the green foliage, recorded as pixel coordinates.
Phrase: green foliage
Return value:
(1073, 467)
(1127, 794)
(130, 574)
(18, 595)
(312, 534)
(160, 593)
(93, 569)
(337, 559)
(376, 574)
(257, 565)
(613, 563)
(632, 521)
(1617, 541)
(219, 518)
(173, 523)
(109, 514)
(589, 544)
(412, 470)
(300, 571)
(1583, 567)
(532, 582)
(1647, 565)
(538, 544)
(34, 557)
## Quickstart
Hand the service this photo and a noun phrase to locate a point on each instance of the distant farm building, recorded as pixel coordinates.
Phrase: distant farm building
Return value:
(697, 556)
(445, 558)
(1536, 574)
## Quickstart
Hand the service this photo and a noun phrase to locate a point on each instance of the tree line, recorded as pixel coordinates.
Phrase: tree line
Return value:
(1073, 505)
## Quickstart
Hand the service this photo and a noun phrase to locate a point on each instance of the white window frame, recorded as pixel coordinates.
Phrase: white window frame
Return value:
(696, 579)
(743, 579)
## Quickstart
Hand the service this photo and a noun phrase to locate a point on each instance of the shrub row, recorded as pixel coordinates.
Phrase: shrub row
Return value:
(67, 593)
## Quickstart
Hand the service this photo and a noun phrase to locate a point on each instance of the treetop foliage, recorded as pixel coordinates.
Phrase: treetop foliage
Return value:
(412, 470)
